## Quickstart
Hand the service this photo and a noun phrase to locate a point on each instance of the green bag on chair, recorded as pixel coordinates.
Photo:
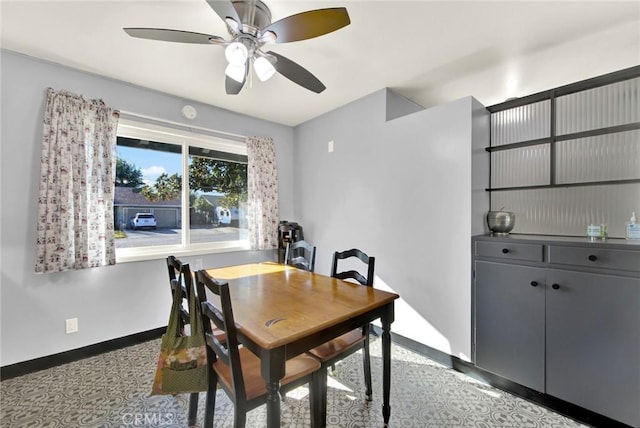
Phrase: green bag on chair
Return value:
(182, 365)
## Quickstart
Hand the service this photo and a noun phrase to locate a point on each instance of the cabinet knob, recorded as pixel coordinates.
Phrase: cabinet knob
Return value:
(534, 283)
(505, 250)
(555, 286)
(593, 258)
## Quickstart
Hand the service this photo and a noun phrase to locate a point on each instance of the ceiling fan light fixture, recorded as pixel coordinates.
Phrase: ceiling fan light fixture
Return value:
(236, 72)
(268, 37)
(264, 69)
(236, 53)
(232, 24)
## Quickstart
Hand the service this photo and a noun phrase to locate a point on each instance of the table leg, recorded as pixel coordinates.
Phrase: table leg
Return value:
(273, 404)
(386, 321)
(273, 369)
(318, 398)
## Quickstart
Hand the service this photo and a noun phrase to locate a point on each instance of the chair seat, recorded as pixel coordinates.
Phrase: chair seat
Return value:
(337, 346)
(221, 335)
(254, 383)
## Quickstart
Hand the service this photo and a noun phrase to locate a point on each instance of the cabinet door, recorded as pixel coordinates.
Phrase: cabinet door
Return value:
(593, 343)
(509, 322)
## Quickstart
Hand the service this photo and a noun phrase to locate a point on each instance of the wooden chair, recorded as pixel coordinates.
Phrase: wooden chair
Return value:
(337, 349)
(237, 369)
(180, 276)
(301, 254)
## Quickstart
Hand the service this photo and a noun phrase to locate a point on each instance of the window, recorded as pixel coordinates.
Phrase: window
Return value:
(178, 192)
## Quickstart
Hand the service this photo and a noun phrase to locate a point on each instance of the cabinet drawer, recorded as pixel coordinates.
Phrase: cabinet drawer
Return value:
(595, 257)
(509, 250)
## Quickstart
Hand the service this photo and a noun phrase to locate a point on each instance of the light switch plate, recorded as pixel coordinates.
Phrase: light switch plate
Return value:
(71, 325)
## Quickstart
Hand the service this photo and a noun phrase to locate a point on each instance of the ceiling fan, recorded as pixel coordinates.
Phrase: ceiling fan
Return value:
(249, 24)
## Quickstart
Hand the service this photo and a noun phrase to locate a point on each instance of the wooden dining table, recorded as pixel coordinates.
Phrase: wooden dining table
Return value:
(281, 312)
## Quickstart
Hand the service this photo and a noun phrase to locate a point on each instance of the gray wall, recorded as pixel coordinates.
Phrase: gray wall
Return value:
(401, 190)
(409, 191)
(110, 302)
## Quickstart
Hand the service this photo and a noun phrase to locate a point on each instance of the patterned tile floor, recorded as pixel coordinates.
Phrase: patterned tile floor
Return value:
(112, 390)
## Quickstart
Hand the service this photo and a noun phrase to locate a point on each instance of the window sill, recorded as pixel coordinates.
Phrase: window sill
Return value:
(125, 255)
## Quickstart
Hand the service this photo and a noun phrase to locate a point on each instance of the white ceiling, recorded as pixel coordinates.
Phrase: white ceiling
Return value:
(430, 52)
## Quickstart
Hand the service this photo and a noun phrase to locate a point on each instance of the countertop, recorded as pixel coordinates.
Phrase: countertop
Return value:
(565, 240)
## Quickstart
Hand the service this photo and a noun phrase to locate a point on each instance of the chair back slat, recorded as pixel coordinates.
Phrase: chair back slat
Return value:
(215, 316)
(353, 274)
(222, 317)
(301, 254)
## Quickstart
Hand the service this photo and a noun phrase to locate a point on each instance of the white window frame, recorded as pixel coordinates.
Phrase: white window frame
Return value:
(146, 131)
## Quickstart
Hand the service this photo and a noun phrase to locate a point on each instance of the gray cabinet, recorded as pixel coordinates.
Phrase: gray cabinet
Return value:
(566, 323)
(510, 322)
(593, 342)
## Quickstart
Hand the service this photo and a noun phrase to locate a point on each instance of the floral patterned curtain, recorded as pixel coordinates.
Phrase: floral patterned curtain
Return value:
(77, 174)
(262, 188)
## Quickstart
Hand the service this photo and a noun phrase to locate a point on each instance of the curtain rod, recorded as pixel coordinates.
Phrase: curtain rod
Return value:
(183, 125)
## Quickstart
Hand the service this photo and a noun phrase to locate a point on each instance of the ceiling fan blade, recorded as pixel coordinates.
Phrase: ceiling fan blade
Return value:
(173, 35)
(225, 9)
(307, 25)
(296, 73)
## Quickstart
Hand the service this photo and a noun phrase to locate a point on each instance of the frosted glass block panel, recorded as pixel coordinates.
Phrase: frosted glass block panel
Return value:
(526, 166)
(604, 157)
(524, 123)
(610, 105)
(568, 210)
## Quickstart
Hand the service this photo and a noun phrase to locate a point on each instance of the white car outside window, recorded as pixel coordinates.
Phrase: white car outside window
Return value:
(143, 220)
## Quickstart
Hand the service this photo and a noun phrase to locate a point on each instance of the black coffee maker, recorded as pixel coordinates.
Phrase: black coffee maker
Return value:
(287, 232)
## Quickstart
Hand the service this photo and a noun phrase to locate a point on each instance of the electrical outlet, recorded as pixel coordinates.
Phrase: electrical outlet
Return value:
(72, 325)
(198, 264)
